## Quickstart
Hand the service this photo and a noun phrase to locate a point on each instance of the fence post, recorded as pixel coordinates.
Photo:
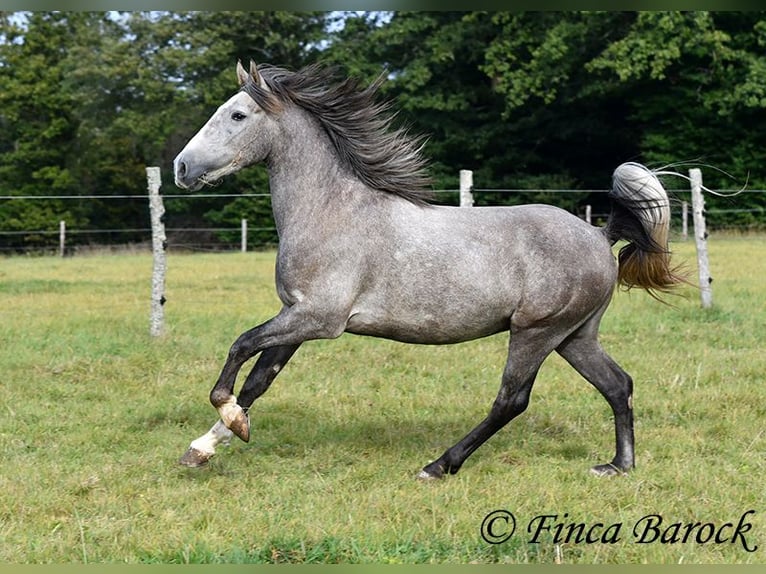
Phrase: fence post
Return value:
(700, 237)
(244, 235)
(159, 243)
(62, 238)
(588, 211)
(684, 220)
(466, 187)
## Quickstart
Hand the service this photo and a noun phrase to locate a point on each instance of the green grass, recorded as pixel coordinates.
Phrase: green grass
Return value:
(95, 415)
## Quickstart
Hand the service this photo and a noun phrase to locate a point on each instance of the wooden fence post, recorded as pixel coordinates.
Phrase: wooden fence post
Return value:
(588, 212)
(159, 243)
(700, 237)
(244, 235)
(684, 220)
(62, 238)
(466, 187)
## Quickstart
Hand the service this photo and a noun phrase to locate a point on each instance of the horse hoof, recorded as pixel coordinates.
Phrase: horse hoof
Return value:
(240, 426)
(194, 458)
(606, 470)
(235, 419)
(425, 476)
(432, 471)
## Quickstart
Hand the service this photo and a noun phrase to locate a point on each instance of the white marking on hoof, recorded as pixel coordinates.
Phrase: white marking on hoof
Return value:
(218, 434)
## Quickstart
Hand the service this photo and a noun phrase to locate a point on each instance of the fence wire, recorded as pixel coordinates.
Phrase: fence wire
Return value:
(228, 238)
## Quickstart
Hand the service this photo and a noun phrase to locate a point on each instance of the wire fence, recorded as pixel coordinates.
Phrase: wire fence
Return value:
(58, 237)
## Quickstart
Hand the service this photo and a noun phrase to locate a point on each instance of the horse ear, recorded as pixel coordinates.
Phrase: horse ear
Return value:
(241, 74)
(256, 76)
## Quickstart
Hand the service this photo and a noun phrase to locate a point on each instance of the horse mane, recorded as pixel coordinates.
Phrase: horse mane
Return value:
(358, 125)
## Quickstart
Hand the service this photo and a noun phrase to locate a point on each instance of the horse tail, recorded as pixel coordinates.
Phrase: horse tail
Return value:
(640, 215)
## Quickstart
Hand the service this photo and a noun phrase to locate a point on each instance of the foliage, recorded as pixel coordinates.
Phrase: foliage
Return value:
(674, 86)
(89, 99)
(527, 100)
(37, 124)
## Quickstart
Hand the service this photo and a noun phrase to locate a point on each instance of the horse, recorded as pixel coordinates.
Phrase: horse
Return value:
(363, 249)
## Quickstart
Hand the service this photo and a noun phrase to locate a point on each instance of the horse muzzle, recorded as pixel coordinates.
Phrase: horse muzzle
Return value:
(187, 175)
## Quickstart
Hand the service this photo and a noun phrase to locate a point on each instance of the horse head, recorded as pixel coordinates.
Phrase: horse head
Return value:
(235, 136)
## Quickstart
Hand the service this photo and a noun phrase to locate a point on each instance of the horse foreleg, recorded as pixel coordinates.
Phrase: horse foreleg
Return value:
(266, 368)
(287, 329)
(277, 340)
(202, 449)
(233, 416)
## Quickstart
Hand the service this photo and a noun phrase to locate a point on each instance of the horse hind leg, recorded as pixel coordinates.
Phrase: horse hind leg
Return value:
(527, 351)
(266, 369)
(583, 352)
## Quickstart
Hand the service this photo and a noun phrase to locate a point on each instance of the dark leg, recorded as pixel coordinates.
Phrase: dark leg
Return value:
(285, 331)
(266, 368)
(526, 354)
(583, 351)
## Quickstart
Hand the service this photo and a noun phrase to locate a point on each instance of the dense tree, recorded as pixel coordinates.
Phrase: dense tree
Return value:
(558, 99)
(670, 86)
(89, 99)
(434, 62)
(527, 100)
(38, 125)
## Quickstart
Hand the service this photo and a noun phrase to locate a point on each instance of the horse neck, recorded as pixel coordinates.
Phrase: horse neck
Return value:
(307, 181)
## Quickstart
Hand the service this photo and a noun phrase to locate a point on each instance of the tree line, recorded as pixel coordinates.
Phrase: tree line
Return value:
(527, 100)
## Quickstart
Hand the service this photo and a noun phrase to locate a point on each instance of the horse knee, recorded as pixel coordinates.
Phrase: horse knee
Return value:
(241, 350)
(219, 396)
(509, 405)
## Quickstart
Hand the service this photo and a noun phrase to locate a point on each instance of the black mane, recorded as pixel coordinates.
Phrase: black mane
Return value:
(359, 127)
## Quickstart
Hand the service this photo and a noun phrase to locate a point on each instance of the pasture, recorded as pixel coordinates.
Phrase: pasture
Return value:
(95, 415)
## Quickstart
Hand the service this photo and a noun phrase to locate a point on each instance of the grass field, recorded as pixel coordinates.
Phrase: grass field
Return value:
(95, 415)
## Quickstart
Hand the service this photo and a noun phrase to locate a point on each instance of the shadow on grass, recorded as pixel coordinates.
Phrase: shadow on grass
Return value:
(298, 432)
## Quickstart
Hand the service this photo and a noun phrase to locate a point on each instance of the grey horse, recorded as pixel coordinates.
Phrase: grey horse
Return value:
(361, 250)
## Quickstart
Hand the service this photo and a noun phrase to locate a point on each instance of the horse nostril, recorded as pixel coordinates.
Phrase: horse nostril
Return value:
(182, 169)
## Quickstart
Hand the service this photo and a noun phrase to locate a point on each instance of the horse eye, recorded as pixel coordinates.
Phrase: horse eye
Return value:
(238, 116)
